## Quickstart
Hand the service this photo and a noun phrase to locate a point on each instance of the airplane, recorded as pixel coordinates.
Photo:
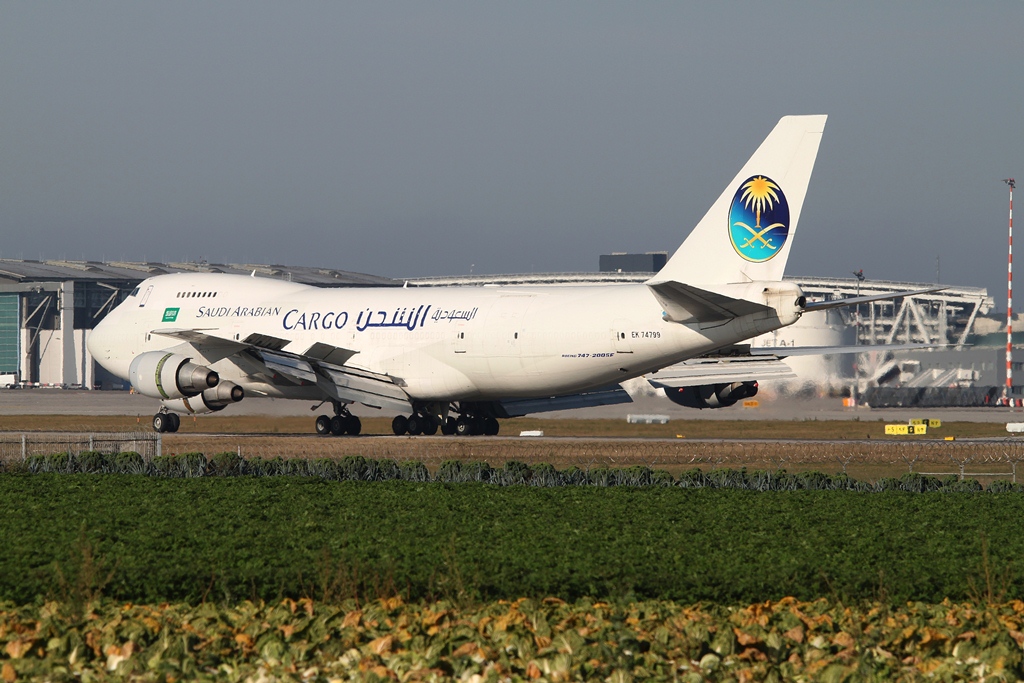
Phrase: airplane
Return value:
(457, 359)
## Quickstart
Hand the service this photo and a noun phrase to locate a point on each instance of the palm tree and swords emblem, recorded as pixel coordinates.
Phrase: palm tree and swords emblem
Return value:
(758, 198)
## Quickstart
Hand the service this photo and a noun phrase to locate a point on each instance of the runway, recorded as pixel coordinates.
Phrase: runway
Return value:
(80, 402)
(863, 458)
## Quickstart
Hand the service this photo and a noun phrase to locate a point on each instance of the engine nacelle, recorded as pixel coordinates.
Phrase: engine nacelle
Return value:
(712, 395)
(159, 374)
(211, 400)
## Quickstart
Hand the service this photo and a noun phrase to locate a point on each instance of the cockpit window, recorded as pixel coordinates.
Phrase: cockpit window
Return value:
(134, 292)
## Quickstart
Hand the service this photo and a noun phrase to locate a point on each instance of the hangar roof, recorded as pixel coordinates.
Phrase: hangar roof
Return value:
(24, 271)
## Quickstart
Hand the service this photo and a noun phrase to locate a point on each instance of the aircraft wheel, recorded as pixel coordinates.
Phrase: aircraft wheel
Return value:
(448, 428)
(491, 426)
(160, 422)
(175, 422)
(323, 425)
(337, 425)
(353, 425)
(463, 426)
(415, 425)
(400, 425)
(429, 426)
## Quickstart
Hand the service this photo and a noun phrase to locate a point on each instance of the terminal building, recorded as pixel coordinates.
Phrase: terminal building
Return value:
(48, 307)
(621, 262)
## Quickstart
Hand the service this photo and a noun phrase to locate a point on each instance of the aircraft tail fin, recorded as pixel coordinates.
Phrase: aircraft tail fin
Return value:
(747, 233)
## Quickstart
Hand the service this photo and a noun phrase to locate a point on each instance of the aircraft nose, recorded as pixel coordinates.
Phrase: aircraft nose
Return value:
(98, 341)
(102, 344)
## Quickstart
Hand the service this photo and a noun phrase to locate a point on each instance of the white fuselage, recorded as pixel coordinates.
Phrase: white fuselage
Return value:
(439, 344)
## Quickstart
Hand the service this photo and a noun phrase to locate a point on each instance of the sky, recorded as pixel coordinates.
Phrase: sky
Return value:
(439, 138)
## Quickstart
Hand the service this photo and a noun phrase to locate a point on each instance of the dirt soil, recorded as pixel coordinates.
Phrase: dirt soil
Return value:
(692, 429)
(859, 448)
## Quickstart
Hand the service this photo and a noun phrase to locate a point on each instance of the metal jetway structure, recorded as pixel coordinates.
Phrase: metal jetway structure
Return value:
(946, 317)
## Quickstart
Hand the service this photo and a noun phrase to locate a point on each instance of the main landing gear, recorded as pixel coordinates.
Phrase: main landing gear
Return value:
(414, 425)
(166, 422)
(465, 425)
(343, 422)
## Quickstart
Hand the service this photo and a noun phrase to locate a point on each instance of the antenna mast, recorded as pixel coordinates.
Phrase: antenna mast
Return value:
(1008, 389)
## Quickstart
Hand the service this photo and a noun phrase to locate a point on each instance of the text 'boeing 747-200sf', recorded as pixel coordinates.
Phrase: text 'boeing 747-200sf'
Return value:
(459, 358)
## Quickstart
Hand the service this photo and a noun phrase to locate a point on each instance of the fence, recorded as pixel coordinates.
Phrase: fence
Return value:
(997, 458)
(21, 446)
(968, 458)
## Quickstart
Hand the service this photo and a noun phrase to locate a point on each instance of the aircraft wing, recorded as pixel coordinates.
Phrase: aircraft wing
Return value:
(693, 372)
(200, 338)
(197, 342)
(354, 385)
(702, 371)
(321, 364)
(598, 397)
(762, 363)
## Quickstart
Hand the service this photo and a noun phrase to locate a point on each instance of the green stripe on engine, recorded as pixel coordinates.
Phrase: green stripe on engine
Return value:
(159, 367)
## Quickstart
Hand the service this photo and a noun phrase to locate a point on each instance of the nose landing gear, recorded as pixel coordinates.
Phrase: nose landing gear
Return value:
(164, 422)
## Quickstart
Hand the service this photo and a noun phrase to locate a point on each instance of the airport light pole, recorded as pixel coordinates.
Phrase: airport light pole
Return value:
(859, 274)
(1008, 389)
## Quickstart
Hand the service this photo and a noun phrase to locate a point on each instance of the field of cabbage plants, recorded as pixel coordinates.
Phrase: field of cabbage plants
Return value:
(262, 570)
(523, 639)
(153, 539)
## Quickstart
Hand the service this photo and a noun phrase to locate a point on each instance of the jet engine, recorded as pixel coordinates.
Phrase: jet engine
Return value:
(711, 395)
(159, 374)
(211, 400)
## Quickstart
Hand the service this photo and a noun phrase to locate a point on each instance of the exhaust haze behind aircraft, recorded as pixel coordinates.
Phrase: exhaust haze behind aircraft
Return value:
(458, 358)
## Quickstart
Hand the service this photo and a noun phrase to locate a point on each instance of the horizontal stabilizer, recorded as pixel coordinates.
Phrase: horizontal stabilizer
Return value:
(854, 301)
(786, 351)
(687, 304)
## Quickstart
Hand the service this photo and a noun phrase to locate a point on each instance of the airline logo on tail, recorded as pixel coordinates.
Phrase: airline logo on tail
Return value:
(758, 219)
